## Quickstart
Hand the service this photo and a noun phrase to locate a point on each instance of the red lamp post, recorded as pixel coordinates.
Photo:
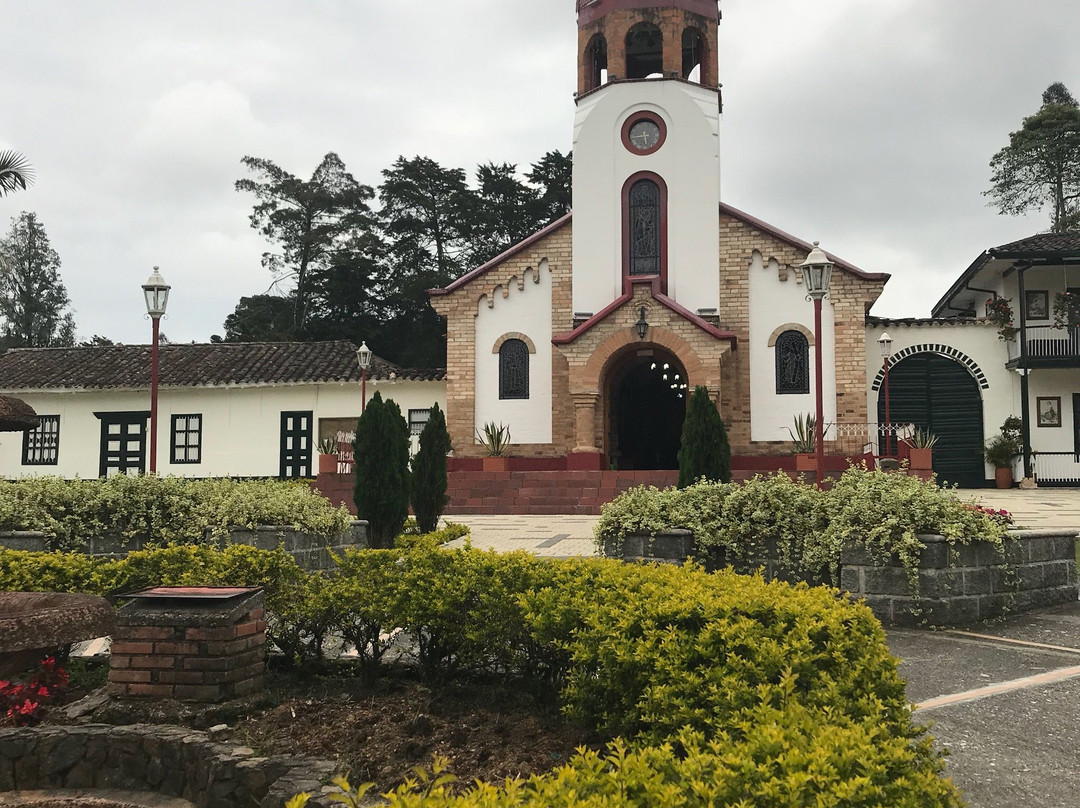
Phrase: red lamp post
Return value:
(363, 357)
(156, 292)
(817, 272)
(885, 341)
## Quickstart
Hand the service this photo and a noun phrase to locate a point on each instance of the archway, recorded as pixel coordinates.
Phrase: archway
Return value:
(937, 393)
(646, 402)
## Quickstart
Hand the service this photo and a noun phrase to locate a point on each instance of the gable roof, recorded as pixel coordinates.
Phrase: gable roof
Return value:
(221, 364)
(1042, 247)
(742, 216)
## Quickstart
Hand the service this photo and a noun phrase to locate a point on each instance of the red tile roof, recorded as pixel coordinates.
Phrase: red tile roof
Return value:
(222, 364)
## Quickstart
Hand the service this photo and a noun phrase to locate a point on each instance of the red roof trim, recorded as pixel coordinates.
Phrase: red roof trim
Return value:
(569, 336)
(753, 221)
(498, 259)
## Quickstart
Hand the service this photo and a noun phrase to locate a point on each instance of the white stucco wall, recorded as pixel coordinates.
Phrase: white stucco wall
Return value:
(977, 341)
(240, 432)
(775, 303)
(689, 162)
(525, 309)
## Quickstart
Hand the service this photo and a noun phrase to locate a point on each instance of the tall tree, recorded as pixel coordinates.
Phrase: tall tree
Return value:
(429, 472)
(508, 210)
(381, 449)
(15, 172)
(705, 450)
(310, 222)
(1041, 165)
(427, 213)
(553, 174)
(261, 318)
(33, 301)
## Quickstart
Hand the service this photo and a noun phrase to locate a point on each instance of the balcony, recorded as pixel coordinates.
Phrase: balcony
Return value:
(1047, 347)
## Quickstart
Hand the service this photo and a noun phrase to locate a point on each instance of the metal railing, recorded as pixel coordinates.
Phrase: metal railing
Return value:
(1048, 342)
(858, 439)
(1061, 468)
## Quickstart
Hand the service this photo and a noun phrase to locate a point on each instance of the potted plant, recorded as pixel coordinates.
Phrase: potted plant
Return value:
(1066, 309)
(999, 312)
(328, 456)
(1001, 449)
(921, 449)
(496, 438)
(803, 442)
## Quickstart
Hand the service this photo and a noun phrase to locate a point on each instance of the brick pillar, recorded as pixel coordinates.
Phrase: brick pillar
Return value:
(207, 649)
(586, 454)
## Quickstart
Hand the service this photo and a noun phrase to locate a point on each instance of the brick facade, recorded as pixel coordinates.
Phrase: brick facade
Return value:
(581, 369)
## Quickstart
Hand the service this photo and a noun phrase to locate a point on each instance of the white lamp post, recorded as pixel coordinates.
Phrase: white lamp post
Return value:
(885, 341)
(817, 273)
(156, 293)
(363, 358)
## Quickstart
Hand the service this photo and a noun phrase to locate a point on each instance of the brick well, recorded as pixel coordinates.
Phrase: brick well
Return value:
(199, 644)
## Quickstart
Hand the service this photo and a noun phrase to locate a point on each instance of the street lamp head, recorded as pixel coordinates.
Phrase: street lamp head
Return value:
(642, 325)
(156, 292)
(363, 356)
(817, 273)
(885, 341)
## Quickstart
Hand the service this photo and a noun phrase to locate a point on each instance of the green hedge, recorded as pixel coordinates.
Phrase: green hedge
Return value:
(725, 689)
(164, 510)
(775, 517)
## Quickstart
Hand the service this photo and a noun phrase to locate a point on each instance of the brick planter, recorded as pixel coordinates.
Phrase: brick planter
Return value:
(188, 649)
(974, 585)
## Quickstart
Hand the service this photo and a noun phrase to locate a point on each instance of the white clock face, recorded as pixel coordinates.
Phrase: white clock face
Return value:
(644, 135)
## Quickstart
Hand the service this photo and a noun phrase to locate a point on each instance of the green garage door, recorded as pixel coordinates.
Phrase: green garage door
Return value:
(936, 393)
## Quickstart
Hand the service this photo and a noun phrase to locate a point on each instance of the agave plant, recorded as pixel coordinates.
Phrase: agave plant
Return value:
(921, 439)
(804, 435)
(495, 437)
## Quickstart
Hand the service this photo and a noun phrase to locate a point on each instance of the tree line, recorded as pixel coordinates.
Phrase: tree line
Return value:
(349, 261)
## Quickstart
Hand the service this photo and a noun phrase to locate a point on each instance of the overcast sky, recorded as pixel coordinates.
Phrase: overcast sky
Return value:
(866, 125)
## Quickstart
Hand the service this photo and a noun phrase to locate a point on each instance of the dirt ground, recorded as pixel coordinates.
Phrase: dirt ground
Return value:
(490, 731)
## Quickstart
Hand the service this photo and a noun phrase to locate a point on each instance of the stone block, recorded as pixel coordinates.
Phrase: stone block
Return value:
(935, 555)
(940, 583)
(886, 581)
(977, 581)
(1058, 573)
(851, 580)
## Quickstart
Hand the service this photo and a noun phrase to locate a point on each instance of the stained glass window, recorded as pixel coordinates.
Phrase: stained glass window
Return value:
(514, 369)
(792, 364)
(644, 228)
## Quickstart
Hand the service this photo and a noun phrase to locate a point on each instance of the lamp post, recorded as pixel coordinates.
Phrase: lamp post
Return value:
(156, 293)
(885, 341)
(363, 357)
(817, 272)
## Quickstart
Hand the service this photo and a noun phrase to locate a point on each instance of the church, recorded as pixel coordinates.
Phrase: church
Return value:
(586, 338)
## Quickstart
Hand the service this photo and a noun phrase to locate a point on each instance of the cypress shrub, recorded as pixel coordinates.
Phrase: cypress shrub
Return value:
(429, 472)
(705, 451)
(381, 451)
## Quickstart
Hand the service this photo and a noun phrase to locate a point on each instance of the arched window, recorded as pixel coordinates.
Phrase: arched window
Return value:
(644, 224)
(595, 62)
(792, 364)
(644, 51)
(513, 369)
(694, 56)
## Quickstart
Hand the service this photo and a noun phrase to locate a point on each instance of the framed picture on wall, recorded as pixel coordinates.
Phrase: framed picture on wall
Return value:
(1049, 410)
(1037, 305)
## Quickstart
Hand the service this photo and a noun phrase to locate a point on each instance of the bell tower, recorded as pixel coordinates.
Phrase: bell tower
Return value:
(646, 151)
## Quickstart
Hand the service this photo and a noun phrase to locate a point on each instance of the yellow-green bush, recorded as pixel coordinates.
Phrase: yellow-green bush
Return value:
(164, 510)
(725, 689)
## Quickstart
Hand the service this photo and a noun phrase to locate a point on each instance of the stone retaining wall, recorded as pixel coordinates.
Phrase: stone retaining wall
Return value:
(311, 552)
(958, 587)
(173, 761)
(974, 584)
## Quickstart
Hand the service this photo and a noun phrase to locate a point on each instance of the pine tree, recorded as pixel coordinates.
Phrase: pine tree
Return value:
(381, 450)
(705, 451)
(429, 472)
(33, 301)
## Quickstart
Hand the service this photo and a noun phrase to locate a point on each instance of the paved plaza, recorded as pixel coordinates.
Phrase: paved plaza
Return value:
(1003, 699)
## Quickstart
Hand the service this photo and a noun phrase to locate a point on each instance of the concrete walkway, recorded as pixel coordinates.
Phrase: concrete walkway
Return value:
(1041, 508)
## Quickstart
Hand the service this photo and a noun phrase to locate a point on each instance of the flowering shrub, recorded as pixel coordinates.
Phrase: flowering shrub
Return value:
(999, 312)
(999, 515)
(21, 704)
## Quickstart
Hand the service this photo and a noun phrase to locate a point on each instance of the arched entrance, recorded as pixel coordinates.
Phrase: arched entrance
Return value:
(646, 397)
(939, 394)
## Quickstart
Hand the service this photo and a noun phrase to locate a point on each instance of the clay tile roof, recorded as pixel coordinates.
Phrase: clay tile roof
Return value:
(16, 415)
(1042, 244)
(222, 364)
